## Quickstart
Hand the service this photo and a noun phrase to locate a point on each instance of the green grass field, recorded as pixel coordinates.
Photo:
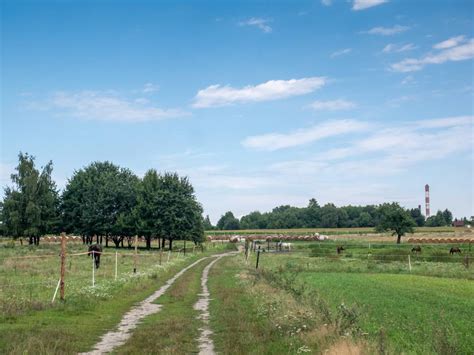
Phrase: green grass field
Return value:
(425, 310)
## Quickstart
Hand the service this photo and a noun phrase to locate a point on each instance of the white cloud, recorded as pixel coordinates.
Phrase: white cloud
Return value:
(326, 2)
(275, 141)
(452, 42)
(408, 80)
(257, 22)
(387, 31)
(332, 105)
(461, 52)
(149, 88)
(106, 106)
(217, 95)
(341, 52)
(398, 48)
(365, 4)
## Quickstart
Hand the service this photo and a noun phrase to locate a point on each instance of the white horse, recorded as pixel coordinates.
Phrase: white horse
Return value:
(283, 246)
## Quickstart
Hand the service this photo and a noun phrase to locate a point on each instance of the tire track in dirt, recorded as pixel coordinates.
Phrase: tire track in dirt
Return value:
(206, 345)
(130, 320)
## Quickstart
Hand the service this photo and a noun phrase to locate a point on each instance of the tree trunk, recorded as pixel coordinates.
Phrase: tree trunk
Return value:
(159, 243)
(100, 239)
(83, 239)
(171, 243)
(121, 242)
(106, 241)
(162, 243)
(30, 240)
(399, 239)
(148, 242)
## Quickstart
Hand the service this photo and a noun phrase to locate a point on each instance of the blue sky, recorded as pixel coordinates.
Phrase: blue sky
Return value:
(260, 103)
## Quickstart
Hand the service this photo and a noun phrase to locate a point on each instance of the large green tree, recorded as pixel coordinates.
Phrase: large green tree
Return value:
(31, 206)
(228, 222)
(396, 219)
(99, 198)
(179, 213)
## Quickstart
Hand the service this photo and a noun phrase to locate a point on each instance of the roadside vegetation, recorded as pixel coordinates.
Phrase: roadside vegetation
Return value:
(29, 323)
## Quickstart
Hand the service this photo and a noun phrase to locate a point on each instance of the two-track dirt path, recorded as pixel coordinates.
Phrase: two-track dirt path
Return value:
(113, 339)
(206, 345)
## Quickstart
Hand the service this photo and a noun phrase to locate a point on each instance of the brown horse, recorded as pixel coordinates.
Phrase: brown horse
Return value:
(416, 249)
(340, 249)
(454, 250)
(95, 250)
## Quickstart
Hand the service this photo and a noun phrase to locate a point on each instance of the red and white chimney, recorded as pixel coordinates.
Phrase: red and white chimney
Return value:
(427, 200)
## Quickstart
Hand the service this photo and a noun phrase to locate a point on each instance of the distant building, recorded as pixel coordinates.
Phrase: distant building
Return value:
(459, 223)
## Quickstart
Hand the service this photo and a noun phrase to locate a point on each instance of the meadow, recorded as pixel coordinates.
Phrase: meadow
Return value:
(427, 308)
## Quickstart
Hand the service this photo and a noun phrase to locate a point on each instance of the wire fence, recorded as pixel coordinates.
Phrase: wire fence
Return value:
(29, 281)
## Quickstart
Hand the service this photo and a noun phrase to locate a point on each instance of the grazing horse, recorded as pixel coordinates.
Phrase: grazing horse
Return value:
(416, 249)
(454, 250)
(95, 250)
(282, 246)
(340, 249)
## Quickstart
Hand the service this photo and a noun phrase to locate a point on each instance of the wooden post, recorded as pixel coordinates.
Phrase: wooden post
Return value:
(93, 268)
(409, 262)
(136, 255)
(161, 255)
(116, 267)
(63, 266)
(258, 257)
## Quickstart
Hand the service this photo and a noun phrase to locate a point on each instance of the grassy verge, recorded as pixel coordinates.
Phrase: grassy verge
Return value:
(77, 324)
(251, 316)
(416, 314)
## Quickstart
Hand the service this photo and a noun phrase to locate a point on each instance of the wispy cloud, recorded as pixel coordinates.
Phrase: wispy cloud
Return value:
(461, 51)
(341, 52)
(217, 95)
(365, 4)
(332, 105)
(276, 141)
(398, 48)
(149, 88)
(387, 31)
(105, 106)
(451, 42)
(326, 2)
(260, 23)
(388, 150)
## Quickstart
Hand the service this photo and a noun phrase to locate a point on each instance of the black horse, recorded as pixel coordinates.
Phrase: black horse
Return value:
(454, 250)
(95, 250)
(340, 249)
(416, 249)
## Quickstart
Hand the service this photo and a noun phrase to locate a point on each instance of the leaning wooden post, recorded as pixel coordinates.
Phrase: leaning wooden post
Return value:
(93, 268)
(63, 266)
(258, 257)
(135, 256)
(116, 266)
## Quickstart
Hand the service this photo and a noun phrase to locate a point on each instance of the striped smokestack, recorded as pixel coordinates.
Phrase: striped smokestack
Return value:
(427, 200)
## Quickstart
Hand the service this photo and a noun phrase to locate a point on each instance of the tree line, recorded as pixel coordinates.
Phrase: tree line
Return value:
(101, 200)
(327, 216)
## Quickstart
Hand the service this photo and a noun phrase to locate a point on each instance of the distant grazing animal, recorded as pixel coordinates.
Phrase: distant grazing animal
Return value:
(454, 250)
(340, 249)
(283, 246)
(95, 250)
(416, 249)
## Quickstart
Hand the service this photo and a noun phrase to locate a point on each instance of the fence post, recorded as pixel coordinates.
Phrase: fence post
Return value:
(409, 262)
(116, 268)
(169, 252)
(161, 255)
(135, 256)
(93, 268)
(63, 265)
(258, 257)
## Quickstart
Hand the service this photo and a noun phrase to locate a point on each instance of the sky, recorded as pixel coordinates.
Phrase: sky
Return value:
(259, 103)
